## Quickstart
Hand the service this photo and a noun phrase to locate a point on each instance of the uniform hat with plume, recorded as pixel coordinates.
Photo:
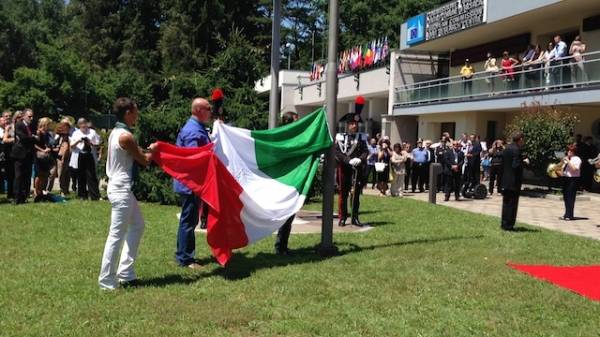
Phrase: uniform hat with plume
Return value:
(217, 98)
(359, 104)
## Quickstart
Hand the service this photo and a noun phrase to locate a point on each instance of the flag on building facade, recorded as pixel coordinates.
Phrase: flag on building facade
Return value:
(252, 181)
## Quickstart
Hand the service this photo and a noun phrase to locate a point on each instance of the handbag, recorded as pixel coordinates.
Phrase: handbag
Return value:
(380, 167)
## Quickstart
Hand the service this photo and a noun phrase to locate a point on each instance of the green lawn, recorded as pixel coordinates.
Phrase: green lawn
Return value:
(423, 271)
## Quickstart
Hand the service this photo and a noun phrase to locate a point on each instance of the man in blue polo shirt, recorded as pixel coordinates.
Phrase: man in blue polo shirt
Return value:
(193, 134)
(420, 158)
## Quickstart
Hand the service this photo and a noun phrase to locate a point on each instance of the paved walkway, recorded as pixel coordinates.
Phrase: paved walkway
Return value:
(309, 222)
(534, 211)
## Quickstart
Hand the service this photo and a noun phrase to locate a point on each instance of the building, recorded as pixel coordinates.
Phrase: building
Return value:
(419, 93)
(443, 38)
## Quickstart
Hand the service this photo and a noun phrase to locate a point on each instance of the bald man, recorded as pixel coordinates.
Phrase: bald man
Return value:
(193, 134)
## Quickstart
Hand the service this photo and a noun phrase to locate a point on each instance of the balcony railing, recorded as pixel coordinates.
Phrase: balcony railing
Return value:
(552, 76)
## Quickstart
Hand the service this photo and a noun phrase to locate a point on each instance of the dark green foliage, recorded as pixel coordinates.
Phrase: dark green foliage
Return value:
(546, 130)
(75, 57)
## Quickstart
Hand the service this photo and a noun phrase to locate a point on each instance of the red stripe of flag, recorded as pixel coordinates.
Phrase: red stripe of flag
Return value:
(203, 172)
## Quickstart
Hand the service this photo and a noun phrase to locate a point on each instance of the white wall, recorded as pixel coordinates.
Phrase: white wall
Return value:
(374, 83)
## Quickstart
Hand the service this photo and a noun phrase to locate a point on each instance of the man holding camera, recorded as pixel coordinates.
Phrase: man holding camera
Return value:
(84, 143)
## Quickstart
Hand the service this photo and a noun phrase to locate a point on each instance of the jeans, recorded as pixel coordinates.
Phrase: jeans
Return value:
(126, 229)
(186, 238)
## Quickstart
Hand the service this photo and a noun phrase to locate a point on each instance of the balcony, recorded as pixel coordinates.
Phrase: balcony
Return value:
(369, 83)
(547, 79)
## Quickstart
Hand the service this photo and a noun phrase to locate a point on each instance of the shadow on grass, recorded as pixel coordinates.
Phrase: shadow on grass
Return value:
(378, 223)
(242, 266)
(526, 230)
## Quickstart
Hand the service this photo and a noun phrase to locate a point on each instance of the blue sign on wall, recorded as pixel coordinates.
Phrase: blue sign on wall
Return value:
(415, 29)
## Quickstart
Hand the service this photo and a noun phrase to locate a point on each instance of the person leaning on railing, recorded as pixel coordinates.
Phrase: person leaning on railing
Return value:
(557, 58)
(467, 75)
(530, 63)
(491, 68)
(508, 68)
(576, 51)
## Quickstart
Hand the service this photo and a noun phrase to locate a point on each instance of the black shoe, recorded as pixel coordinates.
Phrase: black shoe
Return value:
(342, 222)
(283, 252)
(508, 229)
(129, 284)
(357, 223)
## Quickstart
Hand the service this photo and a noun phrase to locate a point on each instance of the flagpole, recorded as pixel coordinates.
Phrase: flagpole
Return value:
(274, 94)
(327, 247)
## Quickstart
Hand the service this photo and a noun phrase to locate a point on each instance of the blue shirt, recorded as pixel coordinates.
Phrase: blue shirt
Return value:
(420, 155)
(560, 50)
(193, 134)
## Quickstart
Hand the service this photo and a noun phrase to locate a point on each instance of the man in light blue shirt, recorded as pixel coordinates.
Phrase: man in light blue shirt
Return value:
(371, 160)
(558, 62)
(193, 134)
(420, 157)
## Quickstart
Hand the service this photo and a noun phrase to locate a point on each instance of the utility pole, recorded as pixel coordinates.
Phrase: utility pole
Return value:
(327, 247)
(275, 45)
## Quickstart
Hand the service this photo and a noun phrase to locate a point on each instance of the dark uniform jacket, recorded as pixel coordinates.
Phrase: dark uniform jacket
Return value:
(448, 161)
(355, 147)
(439, 153)
(512, 176)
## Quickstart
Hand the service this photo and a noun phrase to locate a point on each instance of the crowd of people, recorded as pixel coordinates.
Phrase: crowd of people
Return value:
(45, 151)
(549, 67)
(401, 168)
(407, 168)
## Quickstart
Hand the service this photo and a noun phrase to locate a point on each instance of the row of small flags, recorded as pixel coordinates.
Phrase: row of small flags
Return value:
(357, 58)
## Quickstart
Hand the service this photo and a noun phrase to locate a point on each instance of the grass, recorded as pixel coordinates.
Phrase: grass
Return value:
(424, 270)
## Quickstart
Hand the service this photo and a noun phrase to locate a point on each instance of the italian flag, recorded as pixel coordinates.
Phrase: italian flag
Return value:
(252, 181)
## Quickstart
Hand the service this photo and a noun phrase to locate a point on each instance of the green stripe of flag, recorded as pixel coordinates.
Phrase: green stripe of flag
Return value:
(290, 154)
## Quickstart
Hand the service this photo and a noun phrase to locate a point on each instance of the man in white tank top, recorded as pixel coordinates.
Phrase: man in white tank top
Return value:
(127, 223)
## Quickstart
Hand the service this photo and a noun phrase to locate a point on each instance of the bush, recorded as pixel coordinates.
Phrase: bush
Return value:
(547, 130)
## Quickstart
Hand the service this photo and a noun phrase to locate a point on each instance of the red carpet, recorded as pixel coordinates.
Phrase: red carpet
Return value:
(584, 280)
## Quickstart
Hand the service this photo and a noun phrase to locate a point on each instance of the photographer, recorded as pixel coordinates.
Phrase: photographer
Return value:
(84, 143)
(496, 168)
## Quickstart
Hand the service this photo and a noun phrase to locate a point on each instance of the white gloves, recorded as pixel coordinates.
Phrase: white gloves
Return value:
(355, 162)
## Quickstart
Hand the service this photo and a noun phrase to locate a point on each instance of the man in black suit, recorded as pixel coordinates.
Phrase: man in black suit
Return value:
(22, 154)
(452, 164)
(512, 178)
(475, 161)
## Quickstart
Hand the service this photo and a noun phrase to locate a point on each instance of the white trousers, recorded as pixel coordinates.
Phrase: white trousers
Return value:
(126, 229)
